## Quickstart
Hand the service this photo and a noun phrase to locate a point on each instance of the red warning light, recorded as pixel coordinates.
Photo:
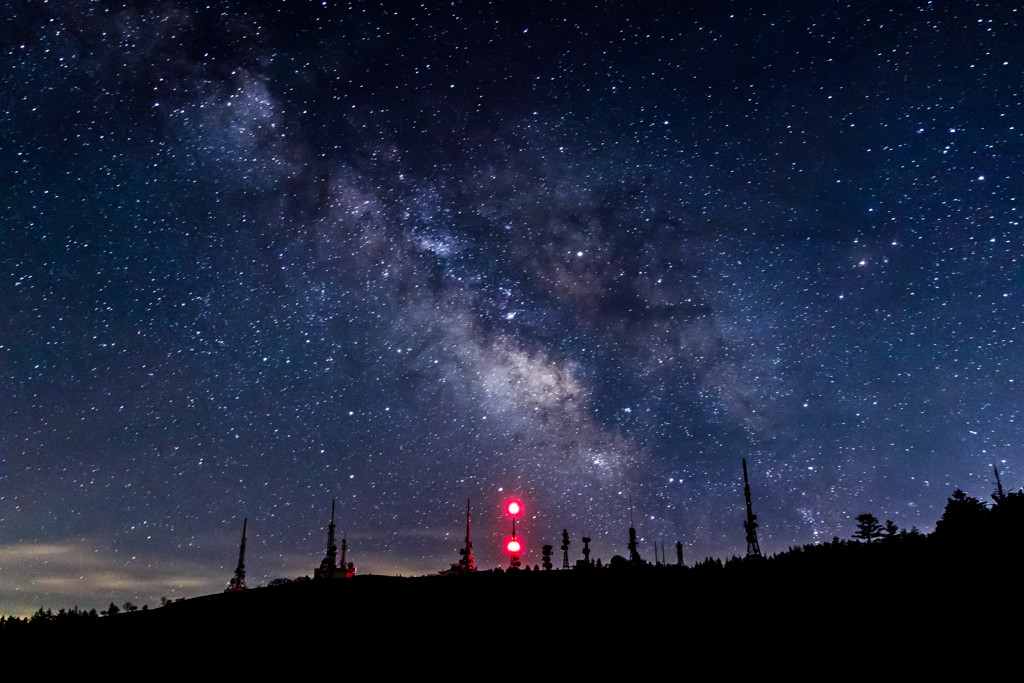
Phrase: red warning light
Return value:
(512, 545)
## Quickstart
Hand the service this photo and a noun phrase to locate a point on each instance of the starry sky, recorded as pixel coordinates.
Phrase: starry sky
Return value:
(258, 256)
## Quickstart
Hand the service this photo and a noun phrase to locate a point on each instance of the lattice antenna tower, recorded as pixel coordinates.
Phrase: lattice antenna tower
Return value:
(330, 561)
(750, 526)
(634, 554)
(237, 582)
(467, 564)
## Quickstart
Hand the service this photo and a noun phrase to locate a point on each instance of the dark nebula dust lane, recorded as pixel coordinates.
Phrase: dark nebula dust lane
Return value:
(258, 256)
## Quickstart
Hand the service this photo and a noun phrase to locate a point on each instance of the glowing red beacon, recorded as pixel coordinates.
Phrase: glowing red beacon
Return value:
(513, 546)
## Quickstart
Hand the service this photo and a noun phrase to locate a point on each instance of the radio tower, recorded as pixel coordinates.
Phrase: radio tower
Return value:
(750, 526)
(348, 567)
(634, 554)
(330, 562)
(237, 582)
(466, 564)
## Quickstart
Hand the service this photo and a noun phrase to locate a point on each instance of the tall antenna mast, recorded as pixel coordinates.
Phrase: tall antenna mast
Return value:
(466, 564)
(332, 548)
(750, 526)
(329, 565)
(330, 561)
(237, 582)
(634, 554)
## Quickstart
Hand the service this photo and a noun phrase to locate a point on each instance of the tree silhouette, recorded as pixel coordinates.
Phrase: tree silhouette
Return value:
(867, 527)
(1007, 516)
(999, 496)
(964, 516)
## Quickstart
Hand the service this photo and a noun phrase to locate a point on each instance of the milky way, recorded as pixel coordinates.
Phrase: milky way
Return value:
(258, 256)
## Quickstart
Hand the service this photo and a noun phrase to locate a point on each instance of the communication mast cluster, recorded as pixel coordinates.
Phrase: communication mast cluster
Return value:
(331, 568)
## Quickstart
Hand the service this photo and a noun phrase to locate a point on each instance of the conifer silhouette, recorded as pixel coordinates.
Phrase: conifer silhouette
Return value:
(868, 527)
(964, 516)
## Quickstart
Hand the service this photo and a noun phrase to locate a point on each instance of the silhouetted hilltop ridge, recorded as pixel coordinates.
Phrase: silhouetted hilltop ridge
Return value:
(915, 589)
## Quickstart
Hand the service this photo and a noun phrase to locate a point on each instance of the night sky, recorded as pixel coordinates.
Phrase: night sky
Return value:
(258, 256)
